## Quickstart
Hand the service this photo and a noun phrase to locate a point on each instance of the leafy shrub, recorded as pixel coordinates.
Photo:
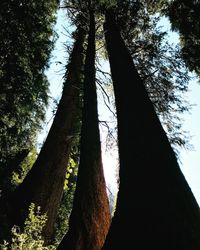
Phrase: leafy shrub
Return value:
(31, 236)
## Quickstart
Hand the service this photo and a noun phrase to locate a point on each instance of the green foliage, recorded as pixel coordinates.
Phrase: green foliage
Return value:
(62, 226)
(159, 64)
(108, 3)
(12, 164)
(25, 45)
(184, 16)
(157, 6)
(19, 175)
(70, 171)
(26, 40)
(31, 237)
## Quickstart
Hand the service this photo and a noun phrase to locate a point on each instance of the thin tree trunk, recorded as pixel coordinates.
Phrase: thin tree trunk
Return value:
(156, 208)
(44, 183)
(90, 217)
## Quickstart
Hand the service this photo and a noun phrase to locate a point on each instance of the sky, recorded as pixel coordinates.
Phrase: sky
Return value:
(189, 160)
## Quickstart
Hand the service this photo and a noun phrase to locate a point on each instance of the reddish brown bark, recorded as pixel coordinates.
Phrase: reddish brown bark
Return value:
(44, 183)
(90, 217)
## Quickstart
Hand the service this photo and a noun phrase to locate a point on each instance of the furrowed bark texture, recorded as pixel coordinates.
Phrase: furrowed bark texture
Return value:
(156, 208)
(44, 183)
(90, 217)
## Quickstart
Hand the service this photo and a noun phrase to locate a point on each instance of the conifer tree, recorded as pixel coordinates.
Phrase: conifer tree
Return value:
(155, 207)
(26, 40)
(90, 217)
(44, 183)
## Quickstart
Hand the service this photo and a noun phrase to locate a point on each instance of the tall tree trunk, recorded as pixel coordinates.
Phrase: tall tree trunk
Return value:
(156, 208)
(90, 217)
(44, 183)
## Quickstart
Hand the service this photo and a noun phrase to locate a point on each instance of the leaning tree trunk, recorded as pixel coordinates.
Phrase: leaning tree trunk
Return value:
(90, 217)
(156, 208)
(44, 183)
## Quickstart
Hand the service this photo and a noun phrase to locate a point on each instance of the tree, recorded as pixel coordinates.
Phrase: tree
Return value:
(90, 216)
(148, 142)
(155, 205)
(184, 17)
(44, 183)
(26, 41)
(158, 63)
